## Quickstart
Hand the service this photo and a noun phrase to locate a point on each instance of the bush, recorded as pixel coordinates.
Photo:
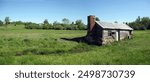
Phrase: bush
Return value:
(148, 26)
(73, 27)
(45, 26)
(79, 25)
(1, 23)
(142, 28)
(58, 27)
(32, 26)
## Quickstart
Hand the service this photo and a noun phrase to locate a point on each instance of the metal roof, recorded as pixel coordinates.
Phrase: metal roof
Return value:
(106, 25)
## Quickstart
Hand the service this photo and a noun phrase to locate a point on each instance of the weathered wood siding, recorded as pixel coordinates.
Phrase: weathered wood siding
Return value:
(124, 34)
(110, 36)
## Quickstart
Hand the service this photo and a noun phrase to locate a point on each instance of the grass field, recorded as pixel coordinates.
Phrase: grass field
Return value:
(35, 47)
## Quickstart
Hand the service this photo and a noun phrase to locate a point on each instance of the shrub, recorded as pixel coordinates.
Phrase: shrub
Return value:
(1, 23)
(32, 26)
(79, 25)
(58, 27)
(45, 26)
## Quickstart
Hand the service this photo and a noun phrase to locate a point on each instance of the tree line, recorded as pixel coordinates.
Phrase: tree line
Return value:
(65, 25)
(140, 23)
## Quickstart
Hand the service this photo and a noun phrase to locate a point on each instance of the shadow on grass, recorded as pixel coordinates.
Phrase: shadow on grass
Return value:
(78, 39)
(84, 39)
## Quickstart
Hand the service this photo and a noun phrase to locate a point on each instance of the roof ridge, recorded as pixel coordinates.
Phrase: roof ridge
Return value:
(108, 25)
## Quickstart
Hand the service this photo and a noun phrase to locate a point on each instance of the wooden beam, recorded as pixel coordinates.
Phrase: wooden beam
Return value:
(118, 35)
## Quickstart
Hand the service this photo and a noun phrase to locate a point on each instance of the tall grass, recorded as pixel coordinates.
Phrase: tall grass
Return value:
(22, 46)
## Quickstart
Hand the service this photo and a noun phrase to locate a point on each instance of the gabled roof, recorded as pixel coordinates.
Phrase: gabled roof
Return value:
(106, 25)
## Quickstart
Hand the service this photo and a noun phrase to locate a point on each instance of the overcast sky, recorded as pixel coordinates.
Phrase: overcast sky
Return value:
(106, 10)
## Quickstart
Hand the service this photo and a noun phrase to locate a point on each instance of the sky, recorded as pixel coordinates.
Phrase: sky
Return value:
(55, 10)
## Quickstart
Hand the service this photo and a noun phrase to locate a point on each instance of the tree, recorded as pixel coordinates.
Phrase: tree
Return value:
(65, 21)
(57, 26)
(46, 24)
(66, 24)
(138, 20)
(116, 22)
(140, 23)
(55, 23)
(1, 23)
(73, 26)
(136, 26)
(97, 19)
(46, 21)
(7, 21)
(145, 21)
(80, 25)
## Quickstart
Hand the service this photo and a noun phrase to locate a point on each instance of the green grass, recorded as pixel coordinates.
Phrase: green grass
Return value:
(35, 47)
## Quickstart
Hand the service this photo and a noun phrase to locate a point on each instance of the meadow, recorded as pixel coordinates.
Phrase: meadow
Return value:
(20, 46)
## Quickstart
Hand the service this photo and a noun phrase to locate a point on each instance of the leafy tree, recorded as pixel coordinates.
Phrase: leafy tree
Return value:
(45, 26)
(66, 24)
(80, 25)
(65, 21)
(138, 20)
(46, 21)
(116, 22)
(55, 23)
(140, 23)
(145, 21)
(97, 19)
(136, 26)
(7, 21)
(57, 26)
(1, 23)
(50, 26)
(73, 27)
